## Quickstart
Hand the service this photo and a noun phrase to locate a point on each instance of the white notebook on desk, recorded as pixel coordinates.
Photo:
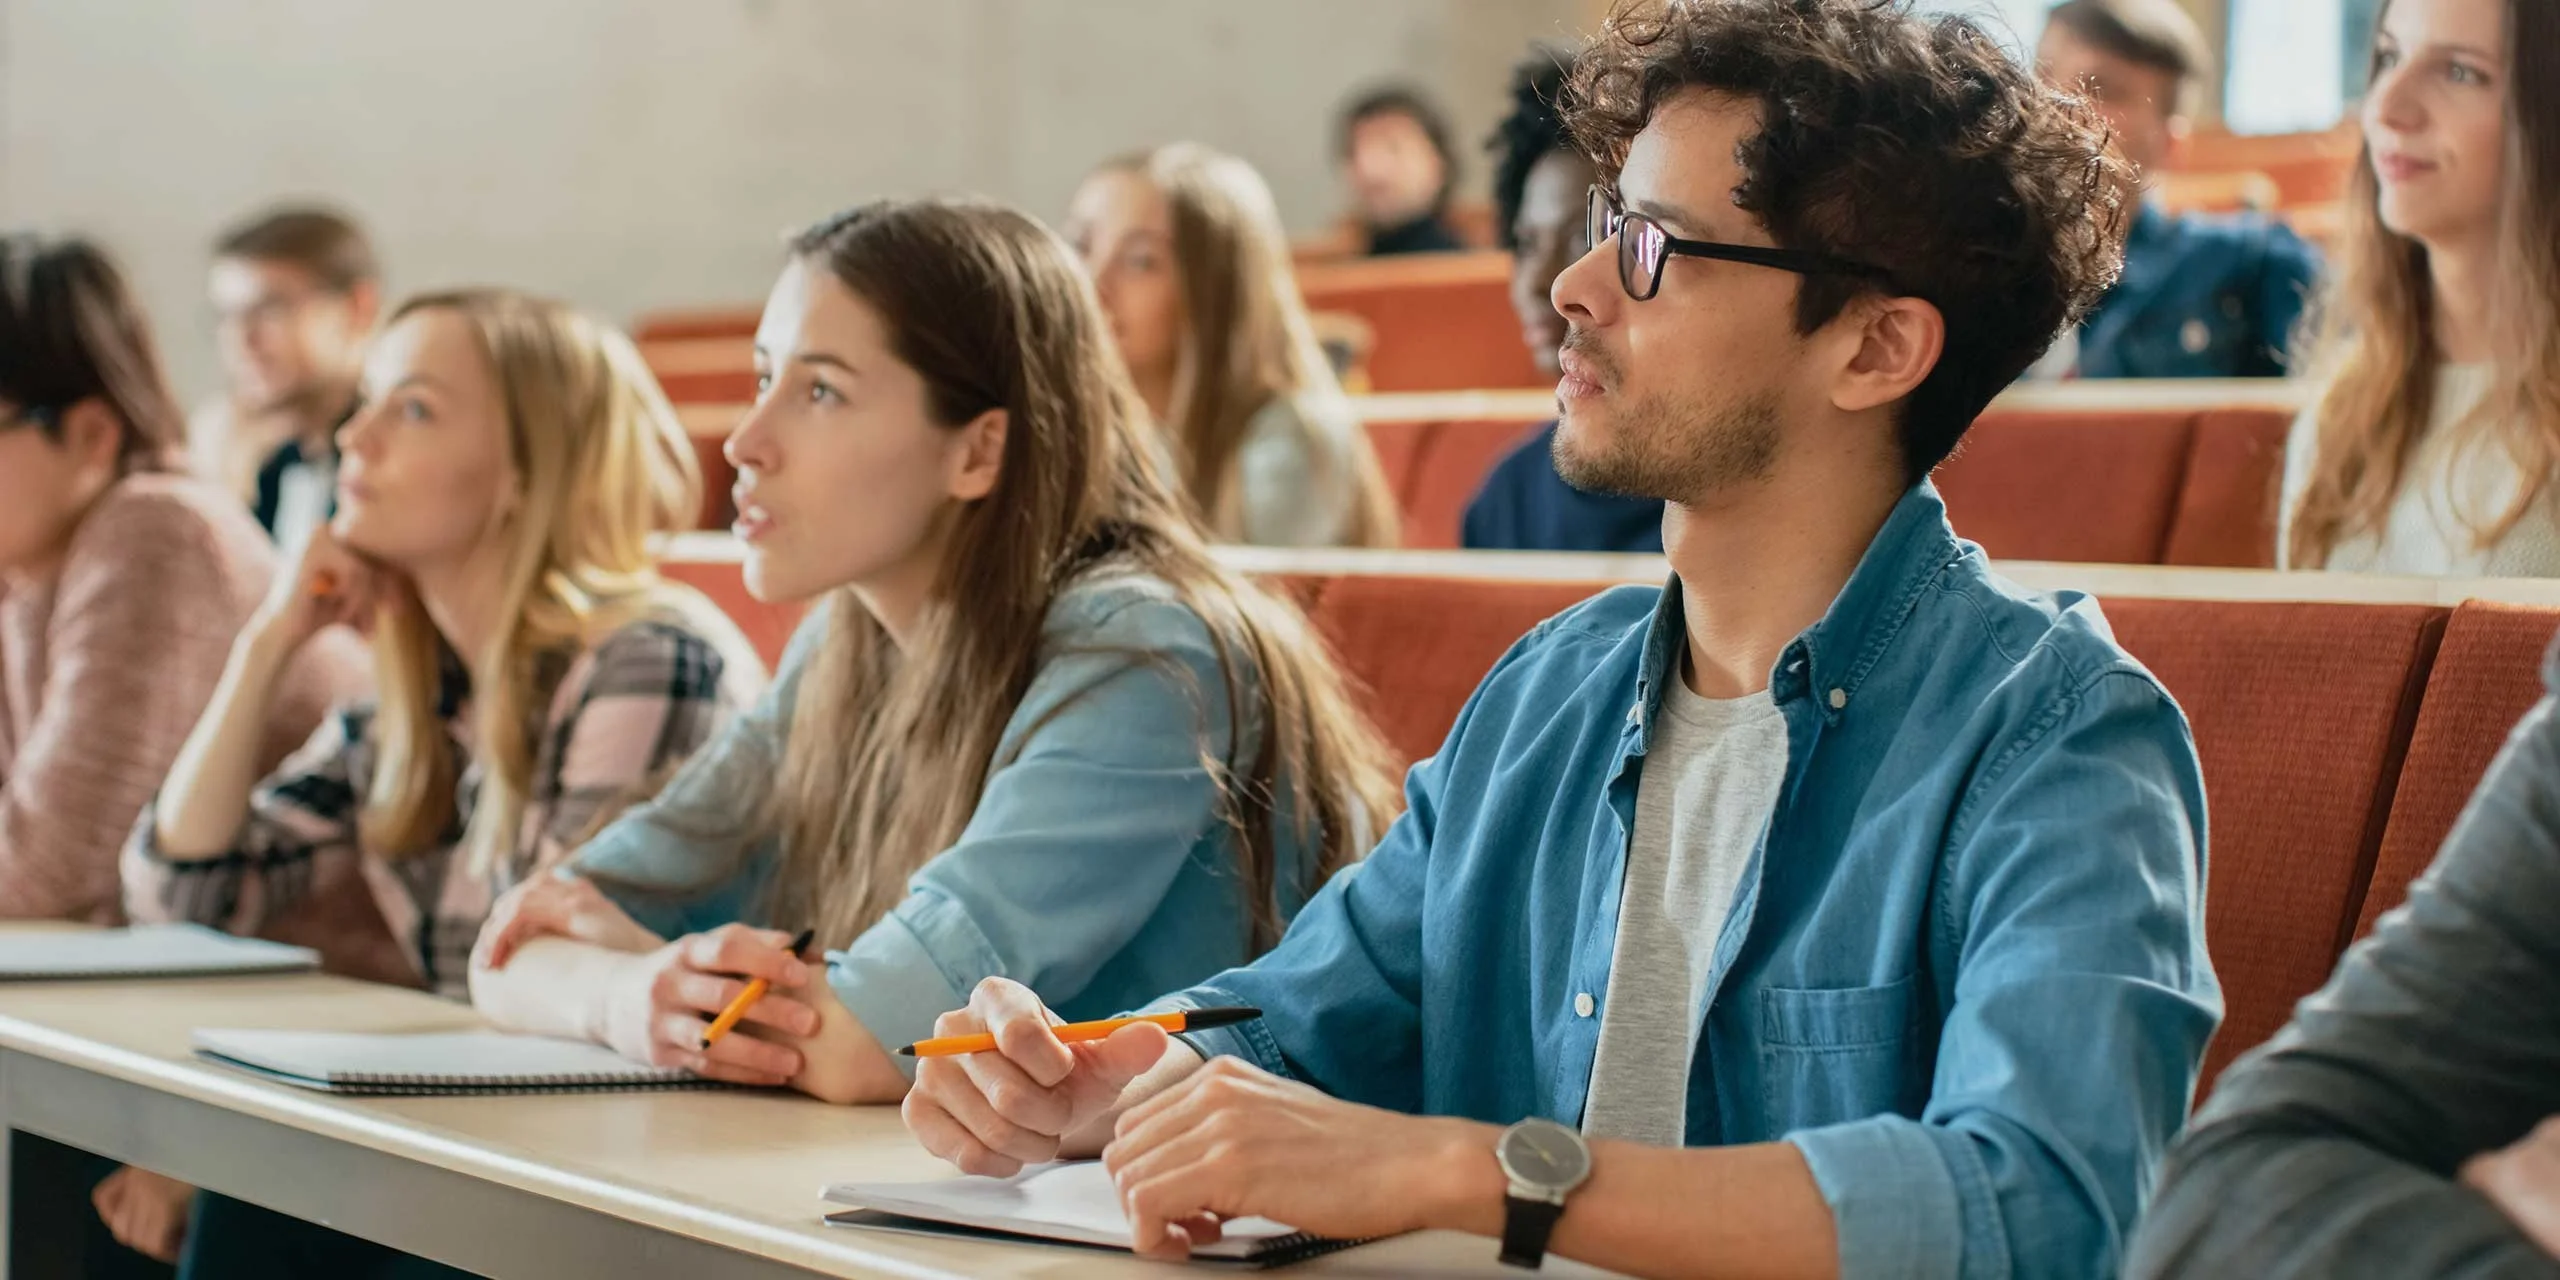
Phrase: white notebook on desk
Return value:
(455, 1062)
(1070, 1203)
(144, 951)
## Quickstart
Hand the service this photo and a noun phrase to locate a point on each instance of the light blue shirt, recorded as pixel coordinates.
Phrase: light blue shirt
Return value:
(1964, 972)
(1096, 869)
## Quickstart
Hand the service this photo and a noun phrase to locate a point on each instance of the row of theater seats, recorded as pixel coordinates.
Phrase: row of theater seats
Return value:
(2040, 477)
(2339, 738)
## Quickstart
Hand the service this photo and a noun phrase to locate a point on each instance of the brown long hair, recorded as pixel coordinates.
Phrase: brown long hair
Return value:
(1247, 341)
(889, 748)
(604, 466)
(71, 330)
(2374, 346)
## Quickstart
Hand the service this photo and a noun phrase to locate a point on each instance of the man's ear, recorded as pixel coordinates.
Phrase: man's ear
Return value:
(980, 460)
(364, 305)
(1899, 342)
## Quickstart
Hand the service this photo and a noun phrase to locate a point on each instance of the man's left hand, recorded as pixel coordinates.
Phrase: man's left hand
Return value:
(2524, 1182)
(1233, 1141)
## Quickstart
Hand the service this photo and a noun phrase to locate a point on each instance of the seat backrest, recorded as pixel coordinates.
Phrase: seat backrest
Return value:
(719, 508)
(2084, 486)
(2301, 714)
(1400, 446)
(1443, 321)
(1452, 467)
(1419, 646)
(2487, 675)
(2226, 509)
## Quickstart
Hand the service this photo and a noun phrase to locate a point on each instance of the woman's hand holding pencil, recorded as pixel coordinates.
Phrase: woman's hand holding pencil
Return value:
(663, 1004)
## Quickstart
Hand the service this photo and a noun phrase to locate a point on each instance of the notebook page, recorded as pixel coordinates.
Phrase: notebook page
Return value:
(1072, 1201)
(166, 950)
(461, 1058)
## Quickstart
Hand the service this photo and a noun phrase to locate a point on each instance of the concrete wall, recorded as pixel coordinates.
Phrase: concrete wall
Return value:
(630, 154)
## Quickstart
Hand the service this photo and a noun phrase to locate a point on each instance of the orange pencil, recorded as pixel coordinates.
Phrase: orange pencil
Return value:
(1079, 1032)
(746, 1000)
(324, 584)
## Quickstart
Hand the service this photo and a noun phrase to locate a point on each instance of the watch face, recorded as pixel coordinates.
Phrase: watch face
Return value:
(1543, 1153)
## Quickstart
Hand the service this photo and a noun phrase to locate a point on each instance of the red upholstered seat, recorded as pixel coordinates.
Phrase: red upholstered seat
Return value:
(1443, 321)
(2487, 675)
(1419, 646)
(1400, 446)
(2301, 715)
(1454, 460)
(717, 479)
(2087, 487)
(2226, 509)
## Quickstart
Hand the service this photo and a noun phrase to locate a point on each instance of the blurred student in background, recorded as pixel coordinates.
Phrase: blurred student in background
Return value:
(295, 292)
(1186, 252)
(1396, 156)
(1541, 190)
(2203, 295)
(2433, 444)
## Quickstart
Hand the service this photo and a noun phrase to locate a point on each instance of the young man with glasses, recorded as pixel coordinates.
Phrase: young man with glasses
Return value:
(1835, 909)
(295, 293)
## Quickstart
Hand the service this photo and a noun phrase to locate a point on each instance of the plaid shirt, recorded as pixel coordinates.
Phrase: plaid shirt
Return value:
(623, 714)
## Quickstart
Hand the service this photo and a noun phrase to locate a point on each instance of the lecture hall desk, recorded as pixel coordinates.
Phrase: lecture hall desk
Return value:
(613, 1186)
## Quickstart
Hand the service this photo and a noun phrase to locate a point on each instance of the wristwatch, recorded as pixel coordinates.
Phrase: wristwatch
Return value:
(1544, 1161)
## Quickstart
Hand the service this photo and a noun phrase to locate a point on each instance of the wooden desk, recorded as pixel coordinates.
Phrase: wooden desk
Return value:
(611, 1186)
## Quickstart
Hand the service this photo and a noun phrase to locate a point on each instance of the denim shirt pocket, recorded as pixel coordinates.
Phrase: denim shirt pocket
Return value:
(1835, 1054)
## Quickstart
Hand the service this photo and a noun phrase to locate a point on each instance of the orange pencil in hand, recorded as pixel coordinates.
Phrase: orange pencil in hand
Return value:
(1079, 1032)
(324, 585)
(728, 1019)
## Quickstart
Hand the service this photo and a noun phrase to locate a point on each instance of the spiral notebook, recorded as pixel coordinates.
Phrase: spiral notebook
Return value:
(144, 951)
(1071, 1203)
(459, 1062)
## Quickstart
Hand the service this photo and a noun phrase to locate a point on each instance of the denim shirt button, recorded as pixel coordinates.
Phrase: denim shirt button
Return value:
(1839, 699)
(1582, 1005)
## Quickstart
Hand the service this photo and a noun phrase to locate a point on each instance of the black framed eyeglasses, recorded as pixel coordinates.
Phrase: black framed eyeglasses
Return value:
(1644, 248)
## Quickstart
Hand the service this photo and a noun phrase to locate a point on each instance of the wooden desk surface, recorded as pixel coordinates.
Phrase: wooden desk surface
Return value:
(739, 1170)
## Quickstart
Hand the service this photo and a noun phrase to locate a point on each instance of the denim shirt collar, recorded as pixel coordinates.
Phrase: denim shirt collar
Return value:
(1831, 659)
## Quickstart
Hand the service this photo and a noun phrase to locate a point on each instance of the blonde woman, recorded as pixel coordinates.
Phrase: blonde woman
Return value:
(2434, 442)
(1034, 729)
(1186, 252)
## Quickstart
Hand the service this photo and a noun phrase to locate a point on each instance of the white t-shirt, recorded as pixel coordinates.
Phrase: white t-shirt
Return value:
(1711, 779)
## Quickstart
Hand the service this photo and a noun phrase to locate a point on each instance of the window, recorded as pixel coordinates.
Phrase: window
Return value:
(2295, 65)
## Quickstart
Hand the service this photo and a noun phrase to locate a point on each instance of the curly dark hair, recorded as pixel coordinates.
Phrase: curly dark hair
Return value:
(1911, 143)
(1533, 130)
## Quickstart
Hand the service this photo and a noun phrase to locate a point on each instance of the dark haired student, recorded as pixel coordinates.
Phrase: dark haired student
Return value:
(1837, 908)
(1396, 157)
(1540, 184)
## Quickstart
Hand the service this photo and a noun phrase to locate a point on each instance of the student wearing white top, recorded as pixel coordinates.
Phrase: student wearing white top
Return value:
(1186, 253)
(2432, 444)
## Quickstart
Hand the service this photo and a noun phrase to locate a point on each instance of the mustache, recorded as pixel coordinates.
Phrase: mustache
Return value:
(1579, 342)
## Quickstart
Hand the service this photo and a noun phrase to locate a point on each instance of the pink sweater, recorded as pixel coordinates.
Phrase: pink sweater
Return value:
(105, 669)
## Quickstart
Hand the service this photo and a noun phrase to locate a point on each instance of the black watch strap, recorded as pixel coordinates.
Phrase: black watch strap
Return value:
(1526, 1224)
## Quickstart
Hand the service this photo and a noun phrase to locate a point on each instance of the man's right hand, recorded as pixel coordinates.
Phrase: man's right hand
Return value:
(993, 1113)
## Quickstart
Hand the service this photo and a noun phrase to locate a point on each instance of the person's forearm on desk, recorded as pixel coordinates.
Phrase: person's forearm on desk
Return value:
(205, 798)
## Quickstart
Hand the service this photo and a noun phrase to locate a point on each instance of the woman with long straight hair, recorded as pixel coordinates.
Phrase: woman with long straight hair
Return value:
(2434, 444)
(1187, 254)
(1032, 728)
(499, 487)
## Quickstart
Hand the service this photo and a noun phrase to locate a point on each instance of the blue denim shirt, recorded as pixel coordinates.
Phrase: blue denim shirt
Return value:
(1964, 973)
(2202, 296)
(1095, 869)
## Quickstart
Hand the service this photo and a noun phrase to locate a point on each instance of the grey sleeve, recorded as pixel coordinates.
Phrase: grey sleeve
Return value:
(2332, 1151)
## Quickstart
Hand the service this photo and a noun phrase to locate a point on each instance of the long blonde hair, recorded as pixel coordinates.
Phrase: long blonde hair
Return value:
(601, 465)
(890, 748)
(2374, 346)
(1247, 340)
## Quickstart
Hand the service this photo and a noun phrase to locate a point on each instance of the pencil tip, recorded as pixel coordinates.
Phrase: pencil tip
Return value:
(908, 1051)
